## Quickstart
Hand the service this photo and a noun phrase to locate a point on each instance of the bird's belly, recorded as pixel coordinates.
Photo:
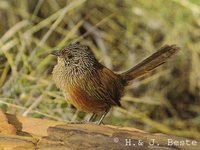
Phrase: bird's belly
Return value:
(82, 101)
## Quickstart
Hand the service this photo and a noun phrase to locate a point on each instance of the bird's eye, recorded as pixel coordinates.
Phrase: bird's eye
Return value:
(70, 56)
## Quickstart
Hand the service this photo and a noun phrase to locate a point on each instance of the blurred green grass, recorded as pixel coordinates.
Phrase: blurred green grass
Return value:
(121, 33)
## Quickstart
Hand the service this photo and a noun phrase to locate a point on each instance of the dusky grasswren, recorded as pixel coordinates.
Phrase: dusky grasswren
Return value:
(92, 87)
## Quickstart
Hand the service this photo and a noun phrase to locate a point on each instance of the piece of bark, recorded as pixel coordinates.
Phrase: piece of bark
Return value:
(11, 142)
(84, 136)
(31, 126)
(42, 134)
(5, 127)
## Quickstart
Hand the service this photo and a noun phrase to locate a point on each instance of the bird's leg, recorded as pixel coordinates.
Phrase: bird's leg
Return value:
(103, 116)
(93, 117)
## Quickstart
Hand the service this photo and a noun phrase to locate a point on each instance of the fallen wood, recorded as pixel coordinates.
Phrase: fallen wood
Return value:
(42, 134)
(5, 127)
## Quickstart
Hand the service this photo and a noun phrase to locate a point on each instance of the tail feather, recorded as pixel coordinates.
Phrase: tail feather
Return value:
(156, 59)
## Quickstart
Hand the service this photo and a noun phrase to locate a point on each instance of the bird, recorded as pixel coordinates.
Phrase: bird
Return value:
(92, 87)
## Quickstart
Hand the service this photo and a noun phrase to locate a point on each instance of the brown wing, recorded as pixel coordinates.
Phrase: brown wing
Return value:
(111, 85)
(105, 86)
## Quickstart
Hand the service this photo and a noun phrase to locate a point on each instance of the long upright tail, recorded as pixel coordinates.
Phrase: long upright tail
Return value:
(156, 59)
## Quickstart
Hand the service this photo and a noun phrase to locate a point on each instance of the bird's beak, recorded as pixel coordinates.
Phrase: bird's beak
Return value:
(56, 53)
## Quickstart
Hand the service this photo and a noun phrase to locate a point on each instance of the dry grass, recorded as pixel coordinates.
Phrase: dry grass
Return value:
(120, 33)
